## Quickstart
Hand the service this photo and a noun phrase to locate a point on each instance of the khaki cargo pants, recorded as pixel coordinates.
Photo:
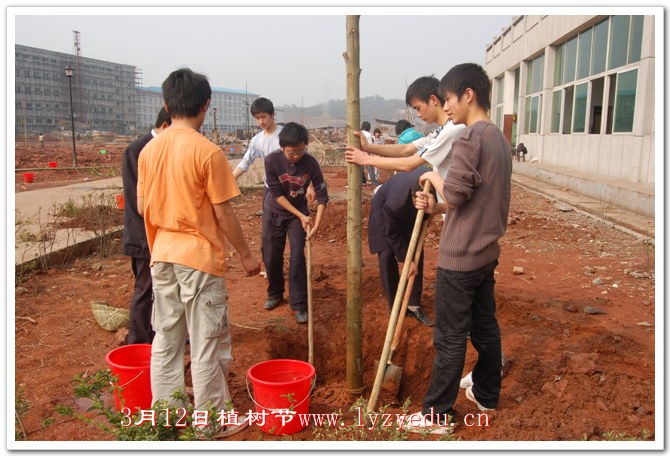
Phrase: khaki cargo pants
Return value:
(194, 304)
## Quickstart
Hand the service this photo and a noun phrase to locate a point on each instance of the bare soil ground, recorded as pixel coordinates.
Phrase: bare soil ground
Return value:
(570, 375)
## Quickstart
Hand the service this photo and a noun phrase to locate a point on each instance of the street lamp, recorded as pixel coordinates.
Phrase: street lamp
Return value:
(216, 132)
(68, 72)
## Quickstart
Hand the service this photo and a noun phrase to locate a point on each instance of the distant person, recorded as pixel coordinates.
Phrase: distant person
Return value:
(476, 195)
(265, 141)
(390, 224)
(378, 138)
(288, 173)
(521, 152)
(435, 149)
(372, 172)
(134, 240)
(406, 132)
(184, 189)
(40, 139)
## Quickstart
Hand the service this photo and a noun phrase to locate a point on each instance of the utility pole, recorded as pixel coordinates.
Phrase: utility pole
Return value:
(354, 203)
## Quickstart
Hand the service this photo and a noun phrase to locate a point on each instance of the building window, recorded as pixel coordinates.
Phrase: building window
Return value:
(599, 54)
(570, 60)
(594, 52)
(579, 119)
(584, 59)
(626, 40)
(556, 103)
(624, 106)
(533, 98)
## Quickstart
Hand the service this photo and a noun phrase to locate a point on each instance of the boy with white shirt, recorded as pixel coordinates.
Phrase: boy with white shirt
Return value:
(265, 141)
(435, 149)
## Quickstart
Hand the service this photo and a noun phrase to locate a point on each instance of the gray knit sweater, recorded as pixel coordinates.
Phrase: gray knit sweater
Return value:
(478, 184)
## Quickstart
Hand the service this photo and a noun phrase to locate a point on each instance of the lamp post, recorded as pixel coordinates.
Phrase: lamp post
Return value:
(68, 72)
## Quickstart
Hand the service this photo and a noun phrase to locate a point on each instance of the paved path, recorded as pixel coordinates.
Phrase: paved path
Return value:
(620, 217)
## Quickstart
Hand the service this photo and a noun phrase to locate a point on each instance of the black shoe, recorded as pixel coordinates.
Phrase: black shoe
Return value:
(272, 302)
(420, 316)
(301, 316)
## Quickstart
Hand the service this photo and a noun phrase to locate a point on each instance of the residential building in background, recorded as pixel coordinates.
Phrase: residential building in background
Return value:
(579, 93)
(107, 97)
(104, 94)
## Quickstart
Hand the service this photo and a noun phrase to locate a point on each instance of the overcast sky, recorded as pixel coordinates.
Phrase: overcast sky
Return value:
(280, 53)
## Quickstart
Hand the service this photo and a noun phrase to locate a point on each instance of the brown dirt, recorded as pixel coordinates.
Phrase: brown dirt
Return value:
(570, 375)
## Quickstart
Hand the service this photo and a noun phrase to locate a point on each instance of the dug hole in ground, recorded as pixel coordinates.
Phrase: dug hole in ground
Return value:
(577, 326)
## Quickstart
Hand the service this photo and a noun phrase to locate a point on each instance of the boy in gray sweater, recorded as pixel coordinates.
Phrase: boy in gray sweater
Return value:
(476, 195)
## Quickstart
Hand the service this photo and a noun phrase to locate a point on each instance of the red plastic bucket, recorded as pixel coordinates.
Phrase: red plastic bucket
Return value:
(280, 385)
(28, 178)
(132, 363)
(120, 201)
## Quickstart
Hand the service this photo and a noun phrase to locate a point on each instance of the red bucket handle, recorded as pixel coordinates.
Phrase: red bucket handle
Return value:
(246, 380)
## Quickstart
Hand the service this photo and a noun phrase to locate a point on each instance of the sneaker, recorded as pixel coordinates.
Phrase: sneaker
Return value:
(272, 302)
(231, 429)
(420, 315)
(423, 424)
(226, 431)
(471, 396)
(466, 381)
(301, 316)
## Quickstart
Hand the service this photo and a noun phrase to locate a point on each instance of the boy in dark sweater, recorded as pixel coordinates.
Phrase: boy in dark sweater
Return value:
(288, 173)
(476, 195)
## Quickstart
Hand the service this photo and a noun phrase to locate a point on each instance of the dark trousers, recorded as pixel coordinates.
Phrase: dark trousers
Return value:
(276, 227)
(140, 331)
(464, 302)
(388, 271)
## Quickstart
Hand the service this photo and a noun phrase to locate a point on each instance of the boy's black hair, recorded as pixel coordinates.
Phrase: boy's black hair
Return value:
(468, 76)
(422, 89)
(163, 117)
(417, 187)
(293, 134)
(401, 126)
(262, 105)
(365, 126)
(186, 92)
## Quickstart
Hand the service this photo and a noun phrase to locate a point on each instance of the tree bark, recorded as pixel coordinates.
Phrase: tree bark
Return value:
(354, 232)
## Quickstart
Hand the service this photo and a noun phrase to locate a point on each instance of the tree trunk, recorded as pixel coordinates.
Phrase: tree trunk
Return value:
(354, 232)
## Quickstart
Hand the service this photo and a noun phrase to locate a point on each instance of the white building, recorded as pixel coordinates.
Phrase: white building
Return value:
(229, 106)
(579, 92)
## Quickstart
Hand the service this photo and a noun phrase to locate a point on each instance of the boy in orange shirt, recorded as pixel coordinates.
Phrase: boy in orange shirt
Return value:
(184, 190)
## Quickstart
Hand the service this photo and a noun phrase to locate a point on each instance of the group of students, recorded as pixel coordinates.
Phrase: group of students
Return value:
(183, 189)
(179, 186)
(471, 174)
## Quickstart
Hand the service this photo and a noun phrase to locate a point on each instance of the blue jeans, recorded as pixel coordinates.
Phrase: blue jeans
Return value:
(464, 301)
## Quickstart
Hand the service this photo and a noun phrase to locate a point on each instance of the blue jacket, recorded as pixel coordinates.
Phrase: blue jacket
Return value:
(408, 136)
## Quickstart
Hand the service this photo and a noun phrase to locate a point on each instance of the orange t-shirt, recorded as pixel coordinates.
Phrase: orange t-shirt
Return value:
(181, 174)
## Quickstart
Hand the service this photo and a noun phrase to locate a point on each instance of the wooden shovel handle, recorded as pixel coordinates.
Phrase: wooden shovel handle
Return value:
(402, 283)
(310, 325)
(408, 292)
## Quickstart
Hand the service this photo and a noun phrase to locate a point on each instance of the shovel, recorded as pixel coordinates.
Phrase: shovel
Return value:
(310, 327)
(393, 373)
(381, 368)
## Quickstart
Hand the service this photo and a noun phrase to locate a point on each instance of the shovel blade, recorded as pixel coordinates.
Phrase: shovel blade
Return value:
(391, 380)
